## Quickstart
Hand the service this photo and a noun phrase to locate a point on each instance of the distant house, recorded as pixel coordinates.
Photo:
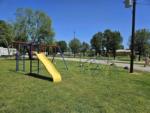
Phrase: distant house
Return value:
(4, 51)
(123, 52)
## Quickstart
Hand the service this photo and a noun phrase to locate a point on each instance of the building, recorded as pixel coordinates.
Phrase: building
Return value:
(123, 52)
(4, 51)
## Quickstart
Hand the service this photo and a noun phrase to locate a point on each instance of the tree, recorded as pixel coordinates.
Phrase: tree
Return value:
(45, 32)
(115, 42)
(96, 42)
(107, 36)
(75, 45)
(33, 26)
(142, 42)
(6, 34)
(84, 47)
(63, 45)
(121, 47)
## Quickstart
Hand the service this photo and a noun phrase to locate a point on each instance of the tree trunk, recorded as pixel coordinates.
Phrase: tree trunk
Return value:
(99, 52)
(107, 51)
(96, 51)
(8, 50)
(139, 59)
(84, 54)
(114, 57)
(114, 54)
(74, 54)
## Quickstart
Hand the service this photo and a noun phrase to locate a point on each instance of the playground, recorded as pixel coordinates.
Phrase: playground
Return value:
(32, 78)
(103, 90)
(74, 56)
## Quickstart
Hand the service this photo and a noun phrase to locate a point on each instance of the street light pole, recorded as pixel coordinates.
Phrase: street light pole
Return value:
(74, 34)
(133, 37)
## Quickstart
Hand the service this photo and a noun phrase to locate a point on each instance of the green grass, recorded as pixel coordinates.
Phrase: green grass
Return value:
(106, 90)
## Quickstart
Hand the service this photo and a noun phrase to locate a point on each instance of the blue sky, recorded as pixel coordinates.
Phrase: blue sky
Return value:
(86, 17)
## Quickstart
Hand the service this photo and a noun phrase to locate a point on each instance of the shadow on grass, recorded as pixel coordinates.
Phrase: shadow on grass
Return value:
(111, 70)
(12, 70)
(39, 76)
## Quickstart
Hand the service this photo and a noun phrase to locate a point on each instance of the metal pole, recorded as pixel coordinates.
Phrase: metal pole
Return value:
(38, 62)
(24, 58)
(74, 40)
(133, 36)
(17, 61)
(54, 53)
(63, 58)
(31, 58)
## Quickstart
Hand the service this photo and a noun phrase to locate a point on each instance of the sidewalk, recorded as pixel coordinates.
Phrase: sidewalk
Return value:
(136, 66)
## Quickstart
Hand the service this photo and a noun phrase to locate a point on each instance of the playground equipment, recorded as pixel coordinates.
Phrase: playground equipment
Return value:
(96, 64)
(38, 50)
(50, 67)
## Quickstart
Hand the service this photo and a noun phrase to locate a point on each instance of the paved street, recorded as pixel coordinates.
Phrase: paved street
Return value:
(137, 67)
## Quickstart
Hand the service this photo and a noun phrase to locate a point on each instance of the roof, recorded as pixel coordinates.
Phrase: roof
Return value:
(123, 51)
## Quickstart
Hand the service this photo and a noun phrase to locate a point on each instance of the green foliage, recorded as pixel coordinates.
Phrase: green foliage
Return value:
(121, 47)
(33, 25)
(142, 42)
(96, 42)
(63, 45)
(84, 48)
(75, 45)
(109, 41)
(107, 37)
(113, 41)
(6, 33)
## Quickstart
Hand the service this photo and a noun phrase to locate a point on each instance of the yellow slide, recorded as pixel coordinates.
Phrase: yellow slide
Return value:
(50, 67)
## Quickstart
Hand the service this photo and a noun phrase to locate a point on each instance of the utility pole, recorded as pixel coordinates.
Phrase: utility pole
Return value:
(129, 3)
(133, 37)
(74, 34)
(74, 40)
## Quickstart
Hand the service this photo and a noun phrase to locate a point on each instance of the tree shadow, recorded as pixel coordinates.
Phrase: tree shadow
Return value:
(39, 76)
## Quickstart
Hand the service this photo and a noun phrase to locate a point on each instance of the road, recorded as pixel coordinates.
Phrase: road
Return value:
(137, 67)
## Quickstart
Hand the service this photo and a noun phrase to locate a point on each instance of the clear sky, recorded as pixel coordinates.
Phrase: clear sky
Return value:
(86, 17)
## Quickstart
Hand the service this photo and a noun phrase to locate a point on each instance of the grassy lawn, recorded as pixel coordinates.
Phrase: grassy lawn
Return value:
(106, 90)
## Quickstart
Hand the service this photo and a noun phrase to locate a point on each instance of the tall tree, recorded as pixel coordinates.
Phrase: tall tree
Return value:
(33, 25)
(75, 45)
(107, 37)
(96, 42)
(45, 32)
(142, 42)
(115, 42)
(6, 34)
(63, 45)
(84, 47)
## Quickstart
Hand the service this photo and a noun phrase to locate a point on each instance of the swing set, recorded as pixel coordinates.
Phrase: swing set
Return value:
(38, 50)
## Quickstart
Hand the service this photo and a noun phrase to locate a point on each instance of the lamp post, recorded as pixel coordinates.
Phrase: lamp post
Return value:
(128, 4)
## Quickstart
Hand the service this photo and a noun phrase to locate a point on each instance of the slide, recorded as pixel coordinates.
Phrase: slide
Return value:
(50, 67)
